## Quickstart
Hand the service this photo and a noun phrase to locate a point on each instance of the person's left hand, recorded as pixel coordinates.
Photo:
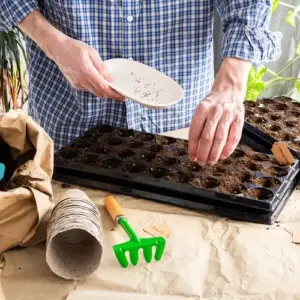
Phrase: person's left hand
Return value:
(218, 120)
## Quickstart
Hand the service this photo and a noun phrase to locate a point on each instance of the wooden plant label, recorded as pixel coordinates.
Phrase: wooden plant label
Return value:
(282, 154)
(158, 230)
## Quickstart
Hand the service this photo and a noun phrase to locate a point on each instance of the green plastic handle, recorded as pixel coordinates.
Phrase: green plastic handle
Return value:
(130, 232)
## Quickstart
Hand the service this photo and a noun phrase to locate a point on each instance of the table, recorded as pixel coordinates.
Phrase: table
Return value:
(207, 257)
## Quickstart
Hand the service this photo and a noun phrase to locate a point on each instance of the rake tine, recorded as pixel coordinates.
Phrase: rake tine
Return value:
(120, 254)
(160, 247)
(148, 254)
(135, 242)
(134, 256)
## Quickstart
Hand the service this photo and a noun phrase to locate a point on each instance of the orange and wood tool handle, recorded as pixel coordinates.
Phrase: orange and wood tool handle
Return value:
(113, 208)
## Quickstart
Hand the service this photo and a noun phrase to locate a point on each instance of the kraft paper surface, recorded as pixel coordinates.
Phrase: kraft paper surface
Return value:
(206, 257)
(23, 210)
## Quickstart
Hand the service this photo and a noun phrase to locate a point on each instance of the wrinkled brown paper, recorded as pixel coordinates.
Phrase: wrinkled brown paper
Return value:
(23, 211)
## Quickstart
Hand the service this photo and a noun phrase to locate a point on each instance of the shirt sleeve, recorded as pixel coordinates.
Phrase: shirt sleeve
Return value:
(246, 33)
(12, 12)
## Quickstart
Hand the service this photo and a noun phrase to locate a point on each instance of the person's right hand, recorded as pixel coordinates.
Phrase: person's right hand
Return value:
(83, 67)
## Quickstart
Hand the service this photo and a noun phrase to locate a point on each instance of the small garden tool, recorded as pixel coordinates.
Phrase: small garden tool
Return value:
(135, 243)
(2, 171)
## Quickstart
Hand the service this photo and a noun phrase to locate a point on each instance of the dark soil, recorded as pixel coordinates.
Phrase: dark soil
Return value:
(260, 193)
(180, 176)
(207, 183)
(11, 165)
(126, 153)
(21, 181)
(148, 155)
(267, 182)
(158, 158)
(135, 167)
(65, 185)
(278, 117)
(276, 171)
(159, 172)
(111, 163)
(235, 188)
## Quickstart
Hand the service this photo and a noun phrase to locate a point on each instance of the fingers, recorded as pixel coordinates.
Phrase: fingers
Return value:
(103, 72)
(221, 136)
(92, 89)
(91, 79)
(84, 69)
(196, 128)
(105, 90)
(99, 83)
(234, 136)
(100, 66)
(216, 130)
(208, 133)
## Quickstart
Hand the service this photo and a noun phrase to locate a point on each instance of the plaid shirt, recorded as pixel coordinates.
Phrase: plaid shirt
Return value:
(174, 36)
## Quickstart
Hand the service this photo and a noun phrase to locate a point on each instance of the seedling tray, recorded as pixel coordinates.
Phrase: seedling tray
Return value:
(248, 185)
(274, 120)
(250, 215)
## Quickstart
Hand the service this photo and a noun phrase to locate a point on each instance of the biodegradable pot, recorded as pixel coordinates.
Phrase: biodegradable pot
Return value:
(74, 237)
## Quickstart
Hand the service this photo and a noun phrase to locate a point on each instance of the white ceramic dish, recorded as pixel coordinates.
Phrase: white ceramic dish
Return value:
(143, 84)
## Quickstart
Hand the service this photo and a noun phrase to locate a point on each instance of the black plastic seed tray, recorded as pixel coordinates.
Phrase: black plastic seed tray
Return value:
(239, 213)
(246, 185)
(275, 120)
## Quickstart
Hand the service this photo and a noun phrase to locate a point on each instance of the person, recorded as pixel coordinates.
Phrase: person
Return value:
(69, 41)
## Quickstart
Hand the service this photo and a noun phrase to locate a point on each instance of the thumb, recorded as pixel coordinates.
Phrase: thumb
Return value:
(101, 67)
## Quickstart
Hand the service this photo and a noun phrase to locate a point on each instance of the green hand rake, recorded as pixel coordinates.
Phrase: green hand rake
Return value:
(135, 243)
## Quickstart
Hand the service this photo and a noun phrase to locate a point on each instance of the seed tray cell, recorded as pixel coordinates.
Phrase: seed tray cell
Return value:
(159, 169)
(274, 120)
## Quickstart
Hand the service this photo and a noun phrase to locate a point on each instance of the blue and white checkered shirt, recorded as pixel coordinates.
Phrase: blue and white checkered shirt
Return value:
(174, 36)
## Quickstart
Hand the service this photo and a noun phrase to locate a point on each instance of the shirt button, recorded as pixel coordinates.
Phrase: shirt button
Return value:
(130, 18)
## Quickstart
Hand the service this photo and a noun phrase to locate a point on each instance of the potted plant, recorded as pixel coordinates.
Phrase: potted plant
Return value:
(13, 90)
(262, 78)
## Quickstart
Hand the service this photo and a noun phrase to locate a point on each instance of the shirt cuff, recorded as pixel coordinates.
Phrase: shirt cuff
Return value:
(14, 12)
(256, 45)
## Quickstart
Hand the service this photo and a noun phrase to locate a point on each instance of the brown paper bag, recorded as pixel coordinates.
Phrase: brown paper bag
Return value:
(25, 207)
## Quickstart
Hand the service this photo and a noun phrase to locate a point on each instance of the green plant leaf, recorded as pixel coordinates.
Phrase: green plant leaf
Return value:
(274, 5)
(290, 19)
(255, 84)
(252, 74)
(12, 60)
(297, 86)
(298, 49)
(261, 73)
(254, 91)
(257, 75)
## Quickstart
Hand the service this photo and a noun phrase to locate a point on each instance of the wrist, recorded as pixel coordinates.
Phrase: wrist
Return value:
(232, 75)
(54, 39)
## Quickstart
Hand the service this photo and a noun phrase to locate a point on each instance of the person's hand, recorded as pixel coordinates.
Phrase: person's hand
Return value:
(83, 67)
(218, 120)
(81, 64)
